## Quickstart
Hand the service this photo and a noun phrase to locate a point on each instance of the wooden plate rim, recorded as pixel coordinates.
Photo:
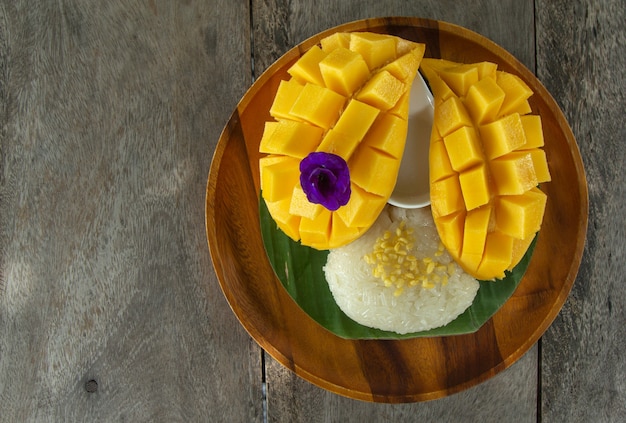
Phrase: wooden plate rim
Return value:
(301, 368)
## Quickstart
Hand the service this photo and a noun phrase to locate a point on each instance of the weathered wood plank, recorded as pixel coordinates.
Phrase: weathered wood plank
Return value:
(278, 27)
(511, 393)
(581, 58)
(110, 114)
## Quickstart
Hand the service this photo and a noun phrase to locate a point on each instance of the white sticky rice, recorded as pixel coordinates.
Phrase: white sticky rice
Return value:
(365, 298)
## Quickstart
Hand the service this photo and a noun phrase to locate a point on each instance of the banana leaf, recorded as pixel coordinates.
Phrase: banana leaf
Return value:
(300, 270)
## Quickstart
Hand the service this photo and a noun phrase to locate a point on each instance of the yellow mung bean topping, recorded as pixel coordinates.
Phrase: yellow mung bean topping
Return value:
(393, 260)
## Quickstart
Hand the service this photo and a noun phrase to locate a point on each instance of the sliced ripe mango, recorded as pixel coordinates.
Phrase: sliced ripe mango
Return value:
(514, 173)
(287, 222)
(484, 99)
(307, 68)
(376, 49)
(288, 92)
(362, 208)
(289, 137)
(318, 105)
(344, 71)
(278, 176)
(382, 91)
(460, 78)
(373, 171)
(450, 116)
(486, 161)
(497, 256)
(475, 186)
(516, 92)
(463, 148)
(439, 160)
(520, 215)
(334, 41)
(348, 96)
(503, 135)
(475, 233)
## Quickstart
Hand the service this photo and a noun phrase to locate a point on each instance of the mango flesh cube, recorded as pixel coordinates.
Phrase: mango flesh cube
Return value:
(316, 230)
(405, 67)
(522, 108)
(514, 173)
(362, 208)
(533, 131)
(486, 70)
(318, 105)
(520, 246)
(438, 65)
(277, 178)
(288, 92)
(474, 237)
(483, 100)
(475, 186)
(290, 138)
(343, 71)
(307, 69)
(451, 228)
(340, 233)
(540, 163)
(270, 160)
(382, 91)
(460, 78)
(450, 116)
(300, 205)
(520, 216)
(340, 143)
(405, 46)
(356, 119)
(502, 136)
(287, 222)
(387, 134)
(401, 109)
(463, 148)
(266, 139)
(374, 171)
(376, 49)
(335, 41)
(439, 162)
(446, 197)
(441, 90)
(497, 256)
(516, 91)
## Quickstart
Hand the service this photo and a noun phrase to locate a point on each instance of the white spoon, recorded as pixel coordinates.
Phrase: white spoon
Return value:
(412, 188)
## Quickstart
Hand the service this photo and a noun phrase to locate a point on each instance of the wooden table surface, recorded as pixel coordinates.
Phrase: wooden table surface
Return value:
(109, 306)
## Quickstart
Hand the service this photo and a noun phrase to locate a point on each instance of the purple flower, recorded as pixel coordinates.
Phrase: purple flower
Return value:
(325, 179)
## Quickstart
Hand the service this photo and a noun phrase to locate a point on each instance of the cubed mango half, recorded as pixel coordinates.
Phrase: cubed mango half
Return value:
(486, 160)
(347, 96)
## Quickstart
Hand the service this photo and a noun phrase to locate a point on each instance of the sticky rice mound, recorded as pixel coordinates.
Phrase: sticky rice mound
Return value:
(437, 294)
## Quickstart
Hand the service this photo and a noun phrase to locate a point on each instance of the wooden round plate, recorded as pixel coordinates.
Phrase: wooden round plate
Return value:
(391, 371)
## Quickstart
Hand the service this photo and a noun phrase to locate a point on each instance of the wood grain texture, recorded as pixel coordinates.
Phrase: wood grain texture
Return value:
(279, 25)
(582, 61)
(111, 111)
(511, 393)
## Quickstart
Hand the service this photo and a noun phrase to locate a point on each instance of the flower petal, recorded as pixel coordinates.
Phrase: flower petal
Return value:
(325, 179)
